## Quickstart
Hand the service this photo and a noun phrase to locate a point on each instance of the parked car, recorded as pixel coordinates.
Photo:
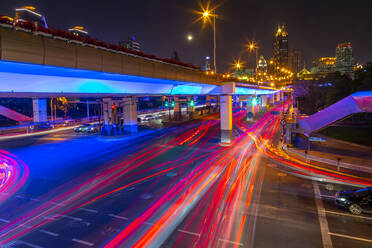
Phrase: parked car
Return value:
(45, 126)
(356, 201)
(94, 128)
(147, 118)
(82, 129)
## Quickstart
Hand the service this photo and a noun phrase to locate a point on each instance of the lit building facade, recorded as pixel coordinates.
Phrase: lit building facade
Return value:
(262, 65)
(281, 47)
(325, 65)
(28, 13)
(344, 61)
(131, 44)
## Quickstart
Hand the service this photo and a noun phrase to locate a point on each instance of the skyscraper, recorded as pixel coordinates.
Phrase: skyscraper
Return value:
(295, 60)
(344, 62)
(281, 47)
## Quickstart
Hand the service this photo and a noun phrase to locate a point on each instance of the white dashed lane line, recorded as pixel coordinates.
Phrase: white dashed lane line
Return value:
(230, 242)
(83, 242)
(3, 220)
(349, 215)
(118, 216)
(350, 237)
(49, 233)
(89, 210)
(188, 232)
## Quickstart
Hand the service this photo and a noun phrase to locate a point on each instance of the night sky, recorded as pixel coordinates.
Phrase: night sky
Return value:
(315, 26)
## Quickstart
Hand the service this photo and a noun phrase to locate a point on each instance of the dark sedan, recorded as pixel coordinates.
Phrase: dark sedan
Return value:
(356, 201)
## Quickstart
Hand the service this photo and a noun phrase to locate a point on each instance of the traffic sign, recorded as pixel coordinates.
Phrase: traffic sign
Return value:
(317, 139)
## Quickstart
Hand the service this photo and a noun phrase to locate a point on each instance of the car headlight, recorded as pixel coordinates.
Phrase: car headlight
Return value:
(342, 199)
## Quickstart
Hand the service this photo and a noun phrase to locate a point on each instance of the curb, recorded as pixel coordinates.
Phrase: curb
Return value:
(328, 161)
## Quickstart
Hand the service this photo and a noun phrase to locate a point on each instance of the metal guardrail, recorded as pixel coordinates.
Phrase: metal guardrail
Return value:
(34, 127)
(328, 161)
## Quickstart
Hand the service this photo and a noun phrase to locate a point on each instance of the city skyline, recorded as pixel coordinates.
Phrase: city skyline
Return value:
(308, 35)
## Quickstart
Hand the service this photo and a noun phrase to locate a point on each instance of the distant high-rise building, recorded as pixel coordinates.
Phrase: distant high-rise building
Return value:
(131, 44)
(325, 65)
(281, 47)
(79, 31)
(295, 60)
(28, 13)
(262, 65)
(207, 66)
(344, 62)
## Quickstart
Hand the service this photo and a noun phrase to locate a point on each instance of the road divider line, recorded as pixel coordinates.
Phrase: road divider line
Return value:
(83, 242)
(350, 237)
(49, 233)
(21, 242)
(6, 221)
(328, 196)
(118, 217)
(326, 238)
(350, 215)
(89, 210)
(188, 232)
(231, 242)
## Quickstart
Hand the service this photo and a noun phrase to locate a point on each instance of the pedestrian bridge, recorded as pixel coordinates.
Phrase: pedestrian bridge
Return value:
(355, 103)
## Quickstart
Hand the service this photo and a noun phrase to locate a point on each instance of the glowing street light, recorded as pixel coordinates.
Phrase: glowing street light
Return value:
(190, 37)
(207, 14)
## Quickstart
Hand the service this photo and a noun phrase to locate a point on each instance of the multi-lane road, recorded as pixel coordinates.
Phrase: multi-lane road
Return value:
(175, 187)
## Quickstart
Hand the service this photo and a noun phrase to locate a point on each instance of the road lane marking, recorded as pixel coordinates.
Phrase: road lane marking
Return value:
(20, 242)
(24, 225)
(231, 242)
(350, 215)
(191, 233)
(6, 221)
(89, 210)
(328, 196)
(83, 242)
(148, 223)
(118, 216)
(350, 237)
(49, 233)
(70, 217)
(326, 238)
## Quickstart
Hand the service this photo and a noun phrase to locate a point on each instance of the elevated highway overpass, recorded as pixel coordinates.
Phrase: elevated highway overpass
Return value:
(40, 65)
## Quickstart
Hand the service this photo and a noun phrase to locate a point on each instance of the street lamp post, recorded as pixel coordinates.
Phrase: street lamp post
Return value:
(214, 43)
(206, 15)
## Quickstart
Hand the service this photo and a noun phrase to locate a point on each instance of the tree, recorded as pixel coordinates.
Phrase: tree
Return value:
(62, 104)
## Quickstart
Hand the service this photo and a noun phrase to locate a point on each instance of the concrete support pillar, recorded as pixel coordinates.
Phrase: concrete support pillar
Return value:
(226, 112)
(39, 110)
(190, 110)
(177, 109)
(130, 115)
(107, 116)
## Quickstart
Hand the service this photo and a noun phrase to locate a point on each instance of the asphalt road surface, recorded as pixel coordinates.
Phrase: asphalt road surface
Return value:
(173, 187)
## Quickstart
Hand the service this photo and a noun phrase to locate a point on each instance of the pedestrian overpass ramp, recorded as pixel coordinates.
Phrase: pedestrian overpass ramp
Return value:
(355, 103)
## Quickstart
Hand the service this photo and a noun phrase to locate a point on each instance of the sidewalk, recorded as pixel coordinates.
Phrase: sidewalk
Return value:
(335, 152)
